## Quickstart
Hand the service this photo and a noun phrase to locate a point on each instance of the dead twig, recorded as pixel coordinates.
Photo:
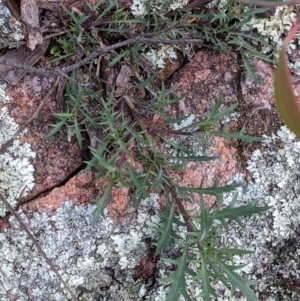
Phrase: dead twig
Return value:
(23, 226)
(19, 43)
(11, 44)
(41, 71)
(55, 34)
(63, 71)
(20, 197)
(134, 40)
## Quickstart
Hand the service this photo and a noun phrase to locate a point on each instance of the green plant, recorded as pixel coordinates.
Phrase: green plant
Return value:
(225, 32)
(126, 140)
(143, 158)
(221, 30)
(201, 247)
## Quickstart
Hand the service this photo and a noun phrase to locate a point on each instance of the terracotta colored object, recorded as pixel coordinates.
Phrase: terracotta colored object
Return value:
(259, 95)
(199, 83)
(202, 80)
(80, 189)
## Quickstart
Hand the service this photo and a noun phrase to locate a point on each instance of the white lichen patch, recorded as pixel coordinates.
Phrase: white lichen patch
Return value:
(9, 30)
(158, 56)
(186, 122)
(97, 261)
(231, 117)
(273, 235)
(3, 97)
(16, 171)
(139, 7)
(8, 126)
(274, 27)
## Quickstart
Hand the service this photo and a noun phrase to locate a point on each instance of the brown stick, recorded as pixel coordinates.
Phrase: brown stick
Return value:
(63, 71)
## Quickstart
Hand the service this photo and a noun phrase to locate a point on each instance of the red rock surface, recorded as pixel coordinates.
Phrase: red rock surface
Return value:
(200, 82)
(80, 189)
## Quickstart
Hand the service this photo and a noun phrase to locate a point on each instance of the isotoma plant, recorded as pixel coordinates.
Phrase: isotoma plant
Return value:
(126, 150)
(127, 140)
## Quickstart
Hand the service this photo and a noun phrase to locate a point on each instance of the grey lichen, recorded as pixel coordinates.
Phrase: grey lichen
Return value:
(139, 7)
(9, 30)
(97, 261)
(164, 52)
(3, 97)
(158, 56)
(274, 27)
(271, 27)
(16, 171)
(273, 236)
